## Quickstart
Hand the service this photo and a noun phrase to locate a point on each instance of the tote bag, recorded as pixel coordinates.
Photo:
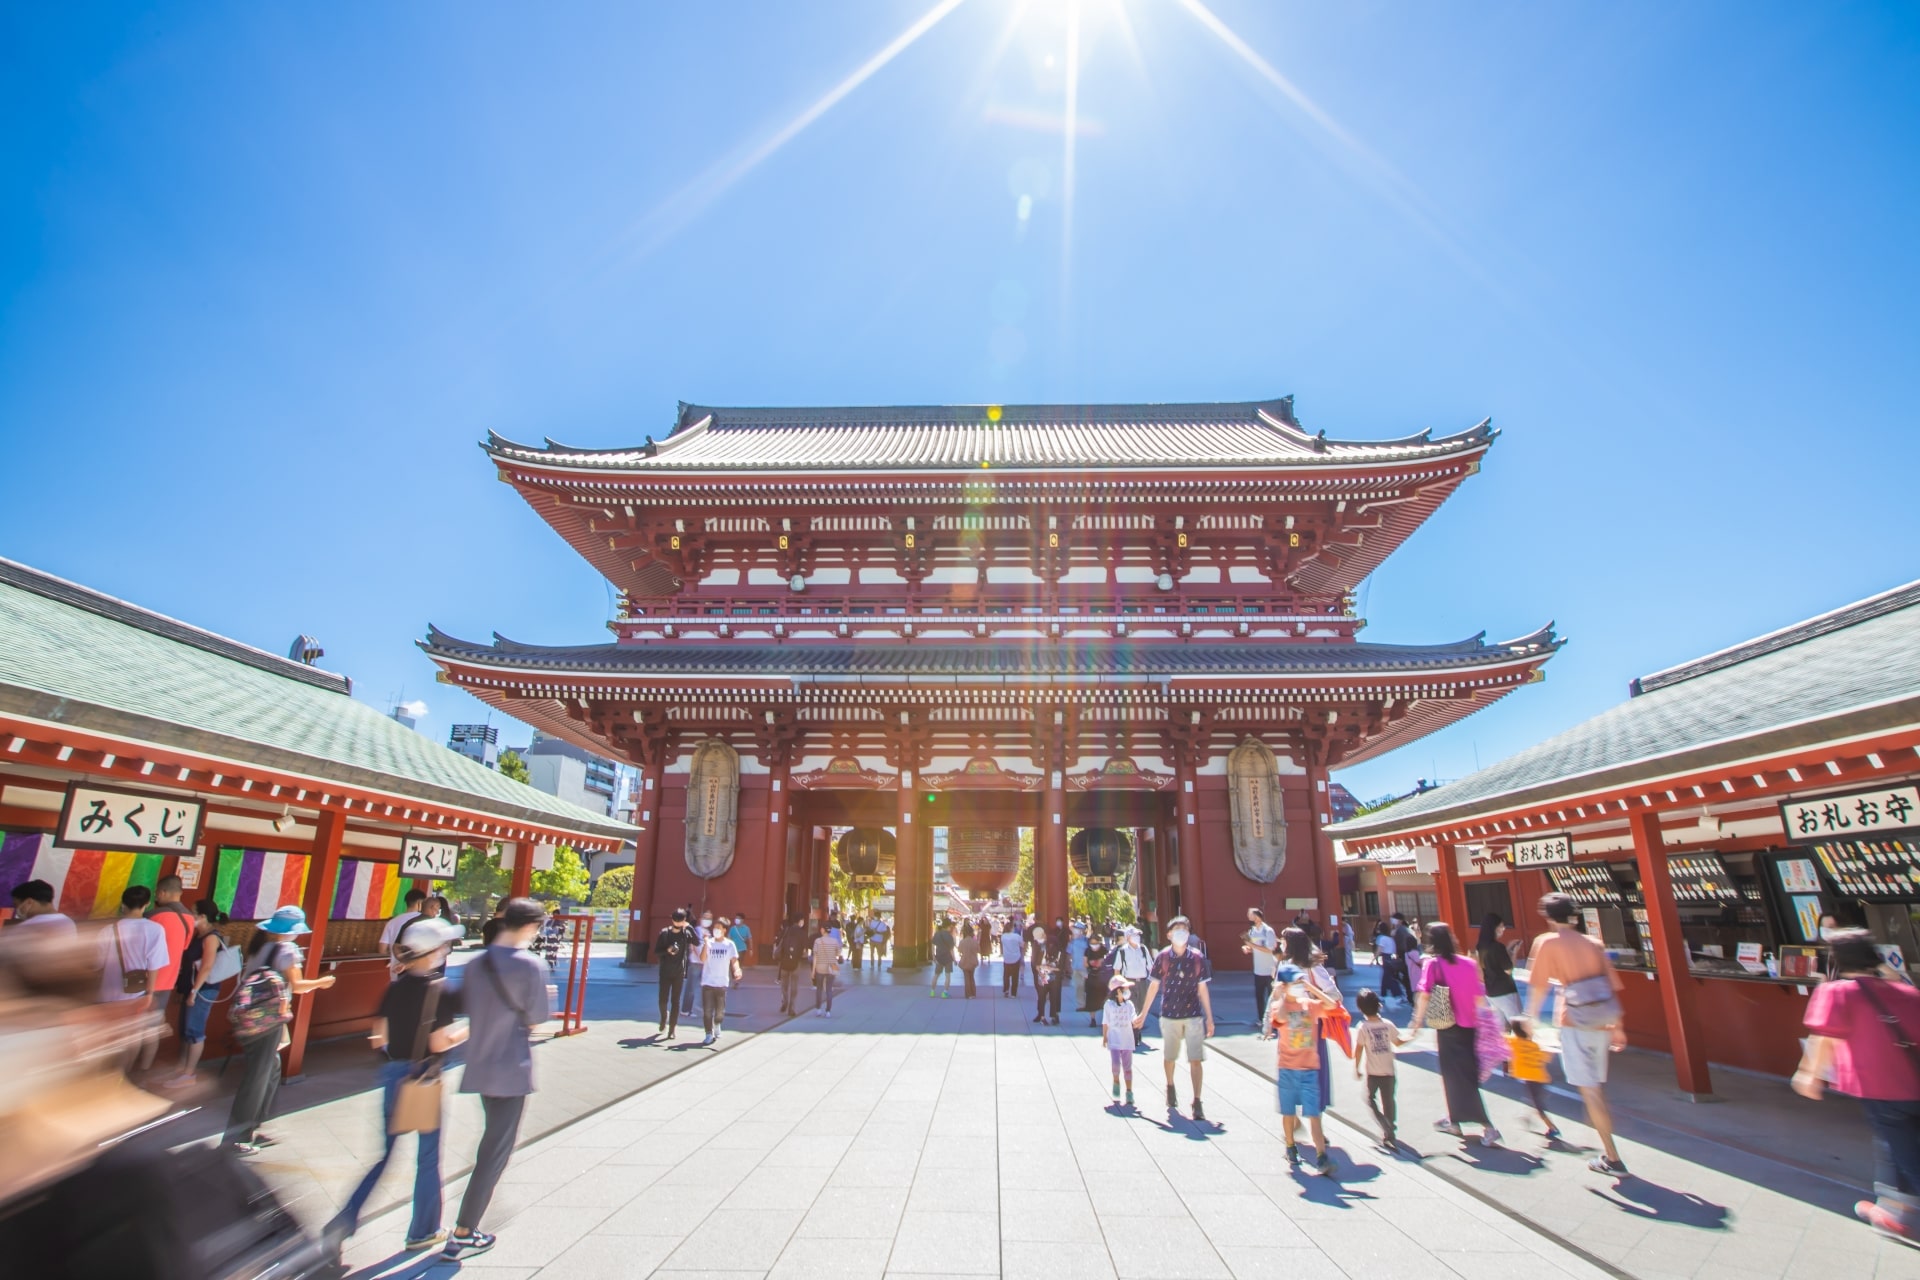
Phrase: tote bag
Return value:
(416, 1102)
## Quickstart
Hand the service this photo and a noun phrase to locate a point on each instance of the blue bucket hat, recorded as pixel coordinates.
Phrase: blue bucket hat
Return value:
(286, 920)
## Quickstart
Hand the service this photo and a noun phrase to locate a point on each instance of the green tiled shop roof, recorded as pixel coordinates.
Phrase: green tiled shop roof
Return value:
(1854, 670)
(73, 656)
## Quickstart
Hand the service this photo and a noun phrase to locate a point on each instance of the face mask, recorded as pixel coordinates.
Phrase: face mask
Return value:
(706, 922)
(1178, 937)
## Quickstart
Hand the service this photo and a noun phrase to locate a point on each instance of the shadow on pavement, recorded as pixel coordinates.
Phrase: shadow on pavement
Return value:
(1643, 1199)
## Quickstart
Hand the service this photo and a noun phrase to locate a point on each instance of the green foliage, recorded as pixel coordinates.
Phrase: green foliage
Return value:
(512, 766)
(614, 890)
(567, 878)
(851, 901)
(1022, 890)
(1098, 906)
(478, 877)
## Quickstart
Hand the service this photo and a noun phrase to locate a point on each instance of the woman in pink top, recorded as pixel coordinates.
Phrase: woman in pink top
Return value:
(1864, 1036)
(1459, 1058)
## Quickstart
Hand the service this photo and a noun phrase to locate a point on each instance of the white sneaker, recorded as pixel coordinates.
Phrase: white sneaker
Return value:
(1490, 1137)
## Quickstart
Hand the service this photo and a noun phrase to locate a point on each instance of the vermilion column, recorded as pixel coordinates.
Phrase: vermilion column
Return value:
(1326, 877)
(913, 882)
(317, 902)
(646, 858)
(1187, 824)
(773, 893)
(1453, 895)
(1677, 987)
(521, 883)
(1050, 851)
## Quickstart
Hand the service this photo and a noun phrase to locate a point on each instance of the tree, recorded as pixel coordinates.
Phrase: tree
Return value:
(852, 901)
(567, 878)
(614, 890)
(1022, 888)
(478, 878)
(512, 766)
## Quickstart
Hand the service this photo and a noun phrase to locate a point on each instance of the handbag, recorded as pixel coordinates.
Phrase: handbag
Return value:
(134, 982)
(416, 1100)
(1590, 1004)
(1440, 1014)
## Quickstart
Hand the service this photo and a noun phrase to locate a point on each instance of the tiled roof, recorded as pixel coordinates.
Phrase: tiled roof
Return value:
(77, 657)
(1858, 661)
(1039, 658)
(1251, 433)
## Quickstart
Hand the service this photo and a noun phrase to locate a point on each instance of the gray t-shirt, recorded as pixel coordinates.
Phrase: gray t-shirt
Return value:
(504, 992)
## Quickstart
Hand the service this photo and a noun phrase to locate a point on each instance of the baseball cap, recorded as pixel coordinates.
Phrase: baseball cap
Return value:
(518, 913)
(424, 936)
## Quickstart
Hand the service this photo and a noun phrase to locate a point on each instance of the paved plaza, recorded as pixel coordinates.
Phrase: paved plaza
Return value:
(910, 1136)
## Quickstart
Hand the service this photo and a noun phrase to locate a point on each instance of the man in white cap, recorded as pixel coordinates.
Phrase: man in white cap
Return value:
(1130, 961)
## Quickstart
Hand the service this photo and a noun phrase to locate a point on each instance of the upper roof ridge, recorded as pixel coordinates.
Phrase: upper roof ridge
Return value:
(1840, 619)
(60, 590)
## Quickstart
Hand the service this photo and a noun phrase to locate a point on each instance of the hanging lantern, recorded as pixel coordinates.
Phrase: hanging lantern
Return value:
(1101, 856)
(983, 860)
(866, 854)
(713, 808)
(1254, 802)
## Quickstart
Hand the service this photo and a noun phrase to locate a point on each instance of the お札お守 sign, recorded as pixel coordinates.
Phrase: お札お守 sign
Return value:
(107, 818)
(1860, 815)
(428, 859)
(1542, 851)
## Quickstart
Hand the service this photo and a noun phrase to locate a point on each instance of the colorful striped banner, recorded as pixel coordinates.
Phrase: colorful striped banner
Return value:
(251, 883)
(87, 883)
(367, 890)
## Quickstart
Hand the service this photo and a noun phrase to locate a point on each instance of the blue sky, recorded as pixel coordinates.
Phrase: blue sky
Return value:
(268, 272)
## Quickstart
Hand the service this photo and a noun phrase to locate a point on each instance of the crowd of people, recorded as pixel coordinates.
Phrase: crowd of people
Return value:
(161, 963)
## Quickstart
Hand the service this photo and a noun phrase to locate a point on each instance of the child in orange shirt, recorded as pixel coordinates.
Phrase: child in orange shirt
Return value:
(1529, 1067)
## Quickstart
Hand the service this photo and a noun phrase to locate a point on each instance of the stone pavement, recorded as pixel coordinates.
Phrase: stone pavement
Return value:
(1705, 1198)
(917, 1137)
(328, 1129)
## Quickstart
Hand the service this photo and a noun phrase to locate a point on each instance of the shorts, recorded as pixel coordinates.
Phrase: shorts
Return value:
(1583, 1056)
(193, 1015)
(1188, 1034)
(941, 967)
(1300, 1092)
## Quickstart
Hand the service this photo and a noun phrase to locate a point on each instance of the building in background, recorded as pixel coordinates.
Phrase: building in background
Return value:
(1340, 802)
(571, 772)
(479, 743)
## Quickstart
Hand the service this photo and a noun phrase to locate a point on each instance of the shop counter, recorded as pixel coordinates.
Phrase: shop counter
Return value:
(1751, 1021)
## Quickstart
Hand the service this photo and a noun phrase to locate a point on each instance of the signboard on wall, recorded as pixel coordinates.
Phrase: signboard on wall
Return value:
(428, 859)
(109, 818)
(1858, 815)
(1542, 851)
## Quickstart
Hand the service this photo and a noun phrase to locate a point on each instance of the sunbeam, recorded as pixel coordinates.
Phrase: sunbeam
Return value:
(1070, 121)
(674, 213)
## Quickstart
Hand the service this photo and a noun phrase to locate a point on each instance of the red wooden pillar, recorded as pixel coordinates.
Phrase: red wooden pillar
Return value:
(317, 902)
(1050, 883)
(912, 886)
(1192, 903)
(1453, 895)
(522, 881)
(641, 924)
(1326, 877)
(1677, 988)
(773, 892)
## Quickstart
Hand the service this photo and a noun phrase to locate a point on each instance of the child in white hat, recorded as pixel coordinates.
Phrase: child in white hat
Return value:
(1116, 1020)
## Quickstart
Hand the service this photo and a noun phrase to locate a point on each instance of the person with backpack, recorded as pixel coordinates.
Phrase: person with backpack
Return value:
(505, 997)
(261, 1008)
(207, 963)
(790, 951)
(1863, 1036)
(413, 1027)
(1588, 1014)
(176, 922)
(1131, 961)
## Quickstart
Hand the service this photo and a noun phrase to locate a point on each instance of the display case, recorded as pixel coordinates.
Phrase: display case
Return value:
(1876, 871)
(1591, 884)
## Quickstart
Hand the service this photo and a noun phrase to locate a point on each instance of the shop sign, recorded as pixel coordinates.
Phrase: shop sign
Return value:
(107, 818)
(428, 859)
(1542, 851)
(1859, 815)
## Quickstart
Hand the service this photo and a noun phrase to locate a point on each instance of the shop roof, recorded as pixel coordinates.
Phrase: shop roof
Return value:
(1854, 670)
(1252, 433)
(76, 657)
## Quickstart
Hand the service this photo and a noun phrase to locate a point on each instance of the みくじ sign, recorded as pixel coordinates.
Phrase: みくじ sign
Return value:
(428, 859)
(1542, 851)
(105, 818)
